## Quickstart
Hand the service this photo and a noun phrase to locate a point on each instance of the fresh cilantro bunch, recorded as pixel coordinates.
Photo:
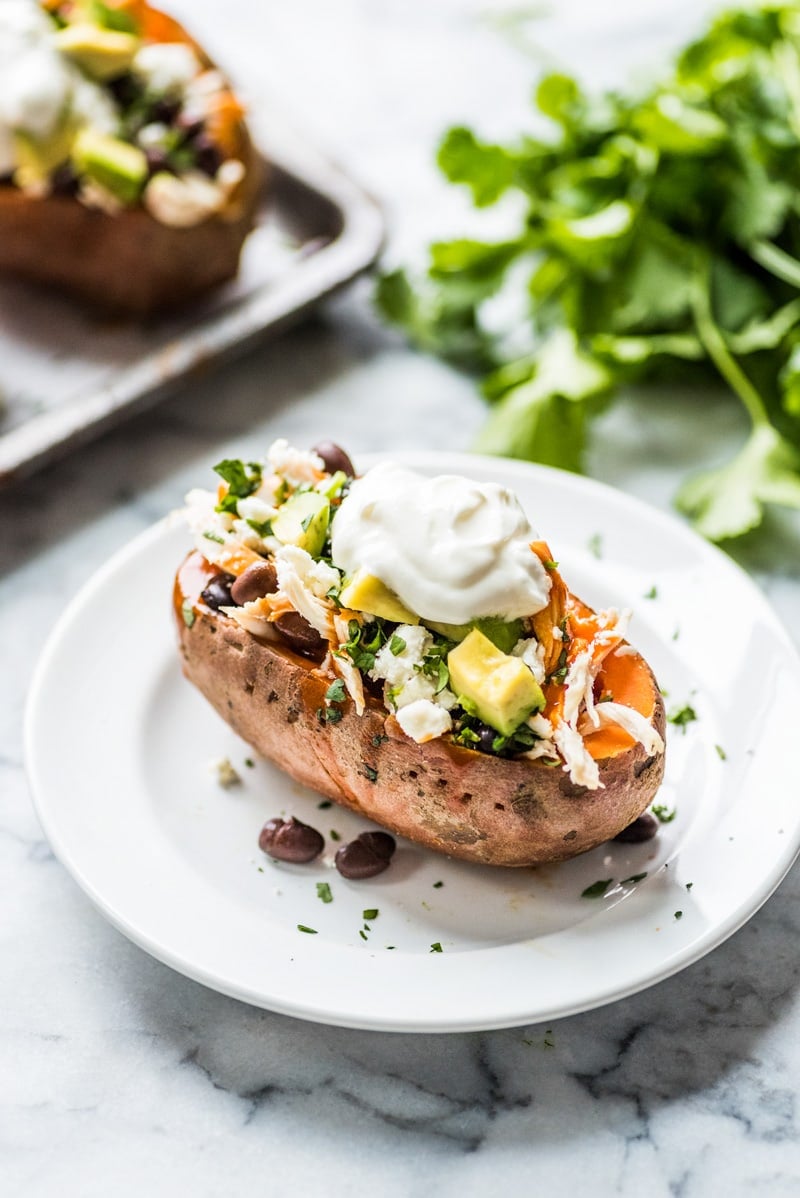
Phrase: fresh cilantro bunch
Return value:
(660, 235)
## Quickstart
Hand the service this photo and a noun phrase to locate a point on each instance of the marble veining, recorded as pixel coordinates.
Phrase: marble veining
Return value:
(121, 1077)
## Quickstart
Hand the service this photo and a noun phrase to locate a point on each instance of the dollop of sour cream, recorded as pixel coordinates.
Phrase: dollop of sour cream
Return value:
(451, 549)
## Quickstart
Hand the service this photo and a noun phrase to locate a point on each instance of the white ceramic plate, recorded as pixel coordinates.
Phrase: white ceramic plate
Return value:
(119, 745)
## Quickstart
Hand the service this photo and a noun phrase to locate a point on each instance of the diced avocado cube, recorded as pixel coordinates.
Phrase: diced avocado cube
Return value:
(502, 633)
(364, 592)
(502, 689)
(119, 167)
(333, 485)
(303, 521)
(37, 158)
(101, 53)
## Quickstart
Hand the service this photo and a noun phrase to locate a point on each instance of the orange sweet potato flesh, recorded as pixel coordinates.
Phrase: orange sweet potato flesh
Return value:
(129, 264)
(450, 799)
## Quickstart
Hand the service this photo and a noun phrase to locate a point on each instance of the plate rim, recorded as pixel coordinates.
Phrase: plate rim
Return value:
(673, 963)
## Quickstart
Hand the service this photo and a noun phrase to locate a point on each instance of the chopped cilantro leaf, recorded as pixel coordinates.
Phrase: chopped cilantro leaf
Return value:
(362, 934)
(595, 545)
(369, 772)
(683, 716)
(324, 805)
(436, 947)
(324, 892)
(652, 593)
(438, 885)
(663, 814)
(210, 535)
(679, 914)
(370, 913)
(396, 645)
(301, 927)
(723, 756)
(335, 692)
(634, 878)
(334, 835)
(597, 889)
(188, 613)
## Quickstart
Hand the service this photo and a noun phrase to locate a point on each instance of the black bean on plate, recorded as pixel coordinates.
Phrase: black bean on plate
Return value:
(290, 840)
(334, 458)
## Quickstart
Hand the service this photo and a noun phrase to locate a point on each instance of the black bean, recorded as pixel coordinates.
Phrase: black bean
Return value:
(208, 154)
(299, 635)
(259, 579)
(158, 160)
(366, 856)
(125, 89)
(290, 840)
(164, 110)
(334, 458)
(486, 738)
(64, 181)
(643, 828)
(218, 592)
(380, 842)
(190, 126)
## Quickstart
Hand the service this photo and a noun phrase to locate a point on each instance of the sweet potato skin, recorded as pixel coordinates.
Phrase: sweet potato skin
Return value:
(127, 263)
(448, 798)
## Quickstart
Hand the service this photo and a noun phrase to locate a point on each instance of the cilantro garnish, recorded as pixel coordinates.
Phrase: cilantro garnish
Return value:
(242, 479)
(634, 878)
(370, 913)
(324, 892)
(597, 889)
(664, 814)
(436, 947)
(188, 613)
(438, 885)
(396, 645)
(652, 593)
(335, 692)
(649, 232)
(683, 716)
(679, 914)
(369, 772)
(723, 756)
(301, 927)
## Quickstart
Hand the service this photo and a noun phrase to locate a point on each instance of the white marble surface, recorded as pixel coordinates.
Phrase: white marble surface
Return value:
(121, 1077)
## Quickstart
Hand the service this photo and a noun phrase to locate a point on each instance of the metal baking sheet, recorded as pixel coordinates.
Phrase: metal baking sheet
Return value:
(66, 375)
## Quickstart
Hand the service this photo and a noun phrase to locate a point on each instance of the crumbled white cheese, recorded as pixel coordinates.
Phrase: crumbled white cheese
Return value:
(182, 203)
(256, 508)
(153, 135)
(397, 668)
(424, 720)
(296, 465)
(253, 617)
(166, 66)
(532, 653)
(227, 776)
(319, 577)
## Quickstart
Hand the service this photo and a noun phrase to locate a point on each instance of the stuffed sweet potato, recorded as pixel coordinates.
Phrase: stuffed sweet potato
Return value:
(127, 174)
(521, 730)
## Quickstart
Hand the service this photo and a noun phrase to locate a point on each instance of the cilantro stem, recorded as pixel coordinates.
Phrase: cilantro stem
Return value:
(714, 343)
(776, 261)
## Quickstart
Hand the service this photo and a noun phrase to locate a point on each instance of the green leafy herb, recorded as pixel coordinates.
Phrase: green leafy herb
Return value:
(362, 933)
(188, 613)
(369, 772)
(595, 545)
(652, 593)
(242, 479)
(438, 885)
(301, 927)
(335, 692)
(723, 756)
(379, 739)
(634, 878)
(664, 814)
(689, 885)
(651, 233)
(550, 564)
(597, 889)
(679, 914)
(334, 835)
(436, 947)
(370, 913)
(251, 765)
(683, 716)
(210, 535)
(324, 805)
(324, 892)
(262, 527)
(396, 645)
